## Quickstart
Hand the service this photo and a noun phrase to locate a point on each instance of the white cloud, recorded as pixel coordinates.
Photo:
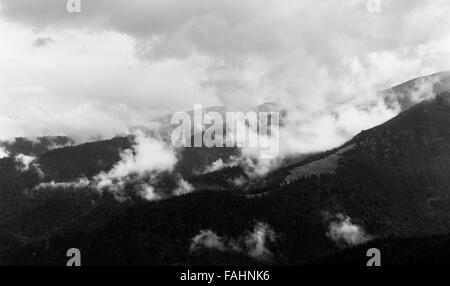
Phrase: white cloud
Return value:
(253, 244)
(79, 183)
(148, 193)
(219, 164)
(256, 241)
(148, 157)
(345, 233)
(118, 64)
(3, 153)
(24, 162)
(140, 166)
(249, 161)
(207, 239)
(183, 188)
(238, 182)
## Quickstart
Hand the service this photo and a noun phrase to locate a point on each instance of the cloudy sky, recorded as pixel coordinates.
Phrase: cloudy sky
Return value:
(121, 63)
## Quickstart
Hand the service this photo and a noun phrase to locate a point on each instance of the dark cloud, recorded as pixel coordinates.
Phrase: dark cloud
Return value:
(232, 28)
(43, 41)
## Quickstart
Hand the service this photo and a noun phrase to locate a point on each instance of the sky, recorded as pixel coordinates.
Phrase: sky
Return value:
(119, 64)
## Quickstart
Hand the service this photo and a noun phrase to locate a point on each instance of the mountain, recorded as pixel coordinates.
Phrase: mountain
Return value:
(35, 146)
(194, 160)
(409, 93)
(400, 167)
(388, 185)
(164, 127)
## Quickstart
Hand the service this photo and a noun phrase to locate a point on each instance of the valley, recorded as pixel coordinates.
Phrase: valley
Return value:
(387, 187)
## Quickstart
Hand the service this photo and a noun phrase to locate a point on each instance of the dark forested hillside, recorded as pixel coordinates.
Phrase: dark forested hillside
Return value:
(35, 146)
(70, 163)
(396, 174)
(389, 184)
(431, 251)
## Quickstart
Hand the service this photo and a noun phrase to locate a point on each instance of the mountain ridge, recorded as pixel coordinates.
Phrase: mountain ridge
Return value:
(391, 185)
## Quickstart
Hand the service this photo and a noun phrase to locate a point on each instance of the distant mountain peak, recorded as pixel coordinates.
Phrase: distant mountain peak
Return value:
(413, 91)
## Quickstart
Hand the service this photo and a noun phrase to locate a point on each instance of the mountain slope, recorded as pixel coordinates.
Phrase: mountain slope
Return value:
(401, 166)
(409, 93)
(388, 182)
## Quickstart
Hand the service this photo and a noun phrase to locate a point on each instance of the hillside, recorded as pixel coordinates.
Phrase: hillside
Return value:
(388, 183)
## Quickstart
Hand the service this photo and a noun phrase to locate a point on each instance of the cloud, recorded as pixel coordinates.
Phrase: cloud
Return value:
(207, 239)
(218, 28)
(142, 163)
(42, 41)
(219, 164)
(408, 94)
(87, 85)
(238, 182)
(80, 183)
(253, 244)
(183, 187)
(345, 233)
(3, 153)
(24, 162)
(148, 192)
(148, 155)
(249, 161)
(256, 241)
(55, 145)
(118, 64)
(144, 167)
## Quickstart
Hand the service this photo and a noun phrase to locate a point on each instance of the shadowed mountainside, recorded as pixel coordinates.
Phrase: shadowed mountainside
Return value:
(392, 183)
